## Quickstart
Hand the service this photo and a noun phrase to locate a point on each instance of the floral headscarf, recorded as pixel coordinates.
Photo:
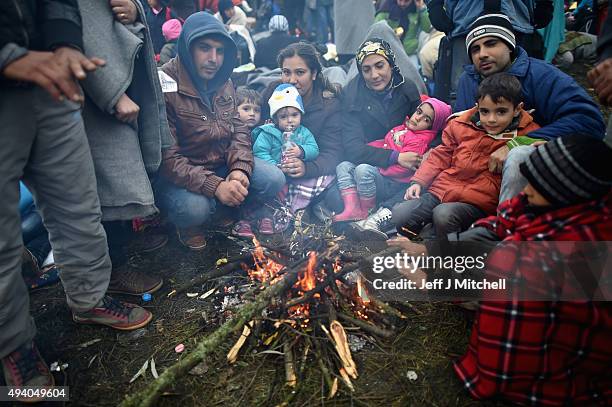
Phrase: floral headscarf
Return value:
(376, 46)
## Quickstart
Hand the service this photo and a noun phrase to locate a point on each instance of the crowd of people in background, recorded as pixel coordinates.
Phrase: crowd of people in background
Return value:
(445, 121)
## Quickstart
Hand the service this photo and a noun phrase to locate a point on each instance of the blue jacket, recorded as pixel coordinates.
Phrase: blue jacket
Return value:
(463, 13)
(561, 105)
(268, 143)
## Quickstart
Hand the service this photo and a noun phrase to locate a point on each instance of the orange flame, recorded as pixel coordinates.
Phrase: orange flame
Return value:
(361, 291)
(265, 269)
(308, 280)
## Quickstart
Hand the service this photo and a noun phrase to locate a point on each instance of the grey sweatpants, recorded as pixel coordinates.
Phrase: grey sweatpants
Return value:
(44, 142)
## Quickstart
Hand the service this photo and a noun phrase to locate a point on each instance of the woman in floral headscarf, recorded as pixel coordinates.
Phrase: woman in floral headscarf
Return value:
(374, 102)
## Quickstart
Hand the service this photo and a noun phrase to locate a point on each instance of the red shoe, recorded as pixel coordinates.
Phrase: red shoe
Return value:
(266, 226)
(352, 207)
(25, 367)
(116, 314)
(242, 228)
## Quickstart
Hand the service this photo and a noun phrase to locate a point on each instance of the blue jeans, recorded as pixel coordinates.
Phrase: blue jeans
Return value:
(367, 179)
(187, 209)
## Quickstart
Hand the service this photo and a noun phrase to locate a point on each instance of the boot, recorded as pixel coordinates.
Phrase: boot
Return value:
(375, 227)
(367, 203)
(352, 207)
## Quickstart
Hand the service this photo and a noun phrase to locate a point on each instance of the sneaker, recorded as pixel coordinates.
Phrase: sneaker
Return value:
(374, 227)
(146, 242)
(25, 367)
(193, 238)
(266, 226)
(126, 280)
(116, 314)
(242, 228)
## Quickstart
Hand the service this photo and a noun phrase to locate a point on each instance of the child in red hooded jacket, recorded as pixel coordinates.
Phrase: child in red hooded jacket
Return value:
(361, 185)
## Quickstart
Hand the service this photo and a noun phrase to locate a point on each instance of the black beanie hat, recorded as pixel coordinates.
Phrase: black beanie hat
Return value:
(570, 169)
(491, 25)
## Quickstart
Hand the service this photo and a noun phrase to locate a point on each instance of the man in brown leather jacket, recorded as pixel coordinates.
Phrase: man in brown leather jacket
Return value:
(211, 158)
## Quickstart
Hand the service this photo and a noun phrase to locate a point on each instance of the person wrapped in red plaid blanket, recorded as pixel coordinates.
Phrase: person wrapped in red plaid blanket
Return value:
(547, 352)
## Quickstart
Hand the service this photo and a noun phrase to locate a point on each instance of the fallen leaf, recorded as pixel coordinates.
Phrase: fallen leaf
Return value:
(141, 372)
(89, 343)
(412, 376)
(208, 293)
(192, 295)
(91, 361)
(221, 261)
(153, 369)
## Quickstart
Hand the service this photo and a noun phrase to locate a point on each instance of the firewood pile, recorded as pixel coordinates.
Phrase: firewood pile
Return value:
(304, 301)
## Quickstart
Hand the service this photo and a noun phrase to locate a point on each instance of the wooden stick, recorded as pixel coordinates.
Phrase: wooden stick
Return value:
(366, 326)
(213, 273)
(150, 394)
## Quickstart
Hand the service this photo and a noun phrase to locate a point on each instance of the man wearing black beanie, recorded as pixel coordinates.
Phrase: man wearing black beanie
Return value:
(561, 106)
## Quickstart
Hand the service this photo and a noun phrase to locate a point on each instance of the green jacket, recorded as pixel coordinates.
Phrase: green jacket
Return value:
(419, 21)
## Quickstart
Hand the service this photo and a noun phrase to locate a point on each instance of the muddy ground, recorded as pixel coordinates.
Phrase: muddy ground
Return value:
(101, 361)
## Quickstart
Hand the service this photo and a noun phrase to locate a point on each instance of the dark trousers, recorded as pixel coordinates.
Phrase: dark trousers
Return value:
(446, 217)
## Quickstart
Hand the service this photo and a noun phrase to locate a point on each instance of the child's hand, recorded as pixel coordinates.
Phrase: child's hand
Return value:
(294, 152)
(414, 192)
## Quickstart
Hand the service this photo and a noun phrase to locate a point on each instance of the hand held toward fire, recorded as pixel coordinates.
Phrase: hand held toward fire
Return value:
(231, 193)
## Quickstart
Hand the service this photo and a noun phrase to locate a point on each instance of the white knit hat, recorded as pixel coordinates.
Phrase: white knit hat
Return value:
(285, 95)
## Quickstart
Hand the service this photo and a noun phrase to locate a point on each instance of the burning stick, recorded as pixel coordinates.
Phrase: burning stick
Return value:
(150, 394)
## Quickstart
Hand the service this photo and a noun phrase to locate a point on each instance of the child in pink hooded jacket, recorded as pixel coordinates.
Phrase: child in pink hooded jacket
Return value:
(361, 185)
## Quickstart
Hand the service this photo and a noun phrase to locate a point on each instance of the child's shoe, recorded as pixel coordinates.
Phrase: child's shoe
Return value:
(352, 206)
(266, 226)
(243, 229)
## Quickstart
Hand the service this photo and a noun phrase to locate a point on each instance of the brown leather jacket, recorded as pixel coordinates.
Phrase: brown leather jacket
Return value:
(204, 139)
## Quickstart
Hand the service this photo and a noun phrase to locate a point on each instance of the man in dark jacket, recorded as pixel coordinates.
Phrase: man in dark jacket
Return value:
(561, 106)
(267, 49)
(211, 157)
(44, 142)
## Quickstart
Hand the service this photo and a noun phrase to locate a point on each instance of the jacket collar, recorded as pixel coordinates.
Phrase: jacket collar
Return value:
(518, 67)
(185, 85)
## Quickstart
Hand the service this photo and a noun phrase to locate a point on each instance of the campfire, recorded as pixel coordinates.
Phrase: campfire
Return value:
(304, 300)
(309, 321)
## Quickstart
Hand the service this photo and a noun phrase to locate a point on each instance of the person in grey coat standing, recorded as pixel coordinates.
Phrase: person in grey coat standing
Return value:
(126, 124)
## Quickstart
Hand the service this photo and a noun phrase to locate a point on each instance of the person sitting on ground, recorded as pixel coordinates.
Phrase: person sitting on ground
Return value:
(171, 30)
(285, 138)
(556, 352)
(375, 101)
(415, 134)
(567, 198)
(361, 185)
(230, 14)
(211, 159)
(268, 48)
(461, 184)
(248, 103)
(561, 105)
(300, 65)
(409, 18)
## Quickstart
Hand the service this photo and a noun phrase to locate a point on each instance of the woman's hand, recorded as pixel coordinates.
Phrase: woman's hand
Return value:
(124, 10)
(409, 160)
(293, 167)
(126, 110)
